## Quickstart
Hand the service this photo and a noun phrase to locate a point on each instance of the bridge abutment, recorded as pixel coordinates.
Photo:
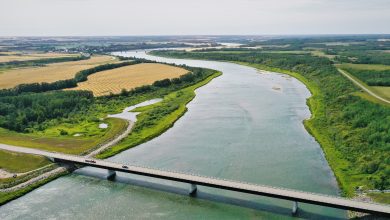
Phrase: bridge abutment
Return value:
(193, 189)
(111, 174)
(294, 208)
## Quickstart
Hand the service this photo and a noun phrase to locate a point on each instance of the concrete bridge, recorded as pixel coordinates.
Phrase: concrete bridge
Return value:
(281, 193)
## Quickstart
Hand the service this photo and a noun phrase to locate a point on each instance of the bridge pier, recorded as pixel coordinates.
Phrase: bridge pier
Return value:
(193, 190)
(295, 208)
(111, 174)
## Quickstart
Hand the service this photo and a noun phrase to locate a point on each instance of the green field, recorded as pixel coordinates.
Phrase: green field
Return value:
(364, 66)
(380, 197)
(383, 91)
(20, 163)
(66, 144)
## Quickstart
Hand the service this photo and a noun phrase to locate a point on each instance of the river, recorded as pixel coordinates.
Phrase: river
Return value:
(245, 125)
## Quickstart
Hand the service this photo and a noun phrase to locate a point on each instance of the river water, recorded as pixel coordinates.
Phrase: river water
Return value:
(245, 125)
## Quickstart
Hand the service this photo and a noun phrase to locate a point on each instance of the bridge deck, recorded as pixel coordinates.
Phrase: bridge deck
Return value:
(275, 192)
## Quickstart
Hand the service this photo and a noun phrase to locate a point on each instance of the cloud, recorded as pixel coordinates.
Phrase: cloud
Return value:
(142, 17)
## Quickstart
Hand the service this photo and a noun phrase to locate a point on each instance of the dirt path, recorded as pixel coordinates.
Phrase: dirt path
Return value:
(35, 179)
(114, 141)
(362, 86)
(5, 174)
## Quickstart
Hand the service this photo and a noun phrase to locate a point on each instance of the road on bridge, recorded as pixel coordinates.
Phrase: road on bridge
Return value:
(275, 192)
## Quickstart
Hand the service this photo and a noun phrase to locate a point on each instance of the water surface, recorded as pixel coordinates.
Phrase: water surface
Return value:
(245, 125)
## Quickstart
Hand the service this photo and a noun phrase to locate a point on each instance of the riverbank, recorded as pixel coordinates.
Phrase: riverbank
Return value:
(315, 104)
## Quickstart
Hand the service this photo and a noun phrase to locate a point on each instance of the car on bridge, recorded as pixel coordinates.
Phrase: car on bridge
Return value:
(90, 161)
(125, 167)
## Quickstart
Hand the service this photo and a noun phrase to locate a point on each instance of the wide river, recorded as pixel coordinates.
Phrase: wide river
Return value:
(245, 125)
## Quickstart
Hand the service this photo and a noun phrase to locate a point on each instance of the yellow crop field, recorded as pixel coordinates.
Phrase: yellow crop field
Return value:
(14, 56)
(49, 73)
(128, 77)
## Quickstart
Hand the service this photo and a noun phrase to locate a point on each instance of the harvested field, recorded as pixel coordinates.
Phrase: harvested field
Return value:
(49, 73)
(128, 77)
(13, 56)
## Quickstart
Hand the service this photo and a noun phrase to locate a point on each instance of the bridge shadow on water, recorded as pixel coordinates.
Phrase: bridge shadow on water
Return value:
(261, 207)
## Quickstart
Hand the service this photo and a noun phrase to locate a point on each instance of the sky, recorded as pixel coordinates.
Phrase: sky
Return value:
(192, 17)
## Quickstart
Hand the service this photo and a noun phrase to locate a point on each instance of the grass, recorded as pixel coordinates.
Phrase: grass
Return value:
(370, 98)
(155, 119)
(383, 91)
(128, 77)
(20, 163)
(363, 66)
(320, 53)
(49, 73)
(51, 141)
(15, 56)
(380, 197)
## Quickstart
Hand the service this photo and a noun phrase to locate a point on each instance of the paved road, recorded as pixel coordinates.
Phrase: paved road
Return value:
(288, 194)
(362, 87)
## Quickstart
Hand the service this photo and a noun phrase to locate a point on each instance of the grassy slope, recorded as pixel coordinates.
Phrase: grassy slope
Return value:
(383, 91)
(145, 129)
(70, 145)
(20, 163)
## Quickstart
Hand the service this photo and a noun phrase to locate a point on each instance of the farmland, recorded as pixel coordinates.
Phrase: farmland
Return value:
(16, 56)
(49, 73)
(129, 77)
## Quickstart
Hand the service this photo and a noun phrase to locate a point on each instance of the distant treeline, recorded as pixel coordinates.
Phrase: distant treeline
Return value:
(40, 62)
(124, 47)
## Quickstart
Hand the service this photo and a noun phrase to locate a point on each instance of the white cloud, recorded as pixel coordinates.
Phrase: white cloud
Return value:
(143, 17)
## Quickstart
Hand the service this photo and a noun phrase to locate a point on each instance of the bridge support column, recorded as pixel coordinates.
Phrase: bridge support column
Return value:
(193, 190)
(111, 174)
(51, 159)
(295, 208)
